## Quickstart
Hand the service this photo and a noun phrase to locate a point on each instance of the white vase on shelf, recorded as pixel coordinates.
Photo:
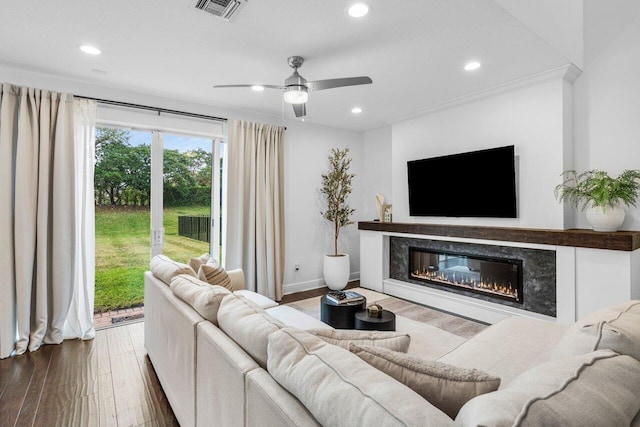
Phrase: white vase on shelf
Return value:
(605, 218)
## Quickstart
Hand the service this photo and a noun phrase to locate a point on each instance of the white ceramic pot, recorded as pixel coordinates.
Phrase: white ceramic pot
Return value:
(336, 271)
(605, 219)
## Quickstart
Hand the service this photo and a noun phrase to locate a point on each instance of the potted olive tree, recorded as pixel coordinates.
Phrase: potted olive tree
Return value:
(601, 197)
(336, 187)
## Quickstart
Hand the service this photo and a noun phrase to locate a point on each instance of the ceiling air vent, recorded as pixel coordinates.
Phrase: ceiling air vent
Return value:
(222, 8)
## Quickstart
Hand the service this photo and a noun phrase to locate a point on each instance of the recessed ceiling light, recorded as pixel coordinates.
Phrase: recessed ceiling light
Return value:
(358, 10)
(356, 110)
(470, 66)
(91, 50)
(257, 88)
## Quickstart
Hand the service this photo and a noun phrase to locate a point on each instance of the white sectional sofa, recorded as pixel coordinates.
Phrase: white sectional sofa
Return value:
(254, 365)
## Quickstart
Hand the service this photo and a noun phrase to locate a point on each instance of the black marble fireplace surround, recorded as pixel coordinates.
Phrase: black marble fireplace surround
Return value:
(538, 270)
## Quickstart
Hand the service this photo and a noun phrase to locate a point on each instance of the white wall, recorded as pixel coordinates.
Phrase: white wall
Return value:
(376, 173)
(607, 94)
(529, 116)
(308, 235)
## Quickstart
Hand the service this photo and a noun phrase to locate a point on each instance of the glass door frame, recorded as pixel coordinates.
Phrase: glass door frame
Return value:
(218, 193)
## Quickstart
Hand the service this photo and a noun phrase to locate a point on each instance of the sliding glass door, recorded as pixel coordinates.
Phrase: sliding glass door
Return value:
(191, 197)
(155, 192)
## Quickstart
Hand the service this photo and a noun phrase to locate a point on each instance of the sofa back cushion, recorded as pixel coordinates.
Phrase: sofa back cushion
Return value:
(165, 269)
(248, 325)
(203, 297)
(340, 389)
(616, 328)
(396, 341)
(595, 389)
(445, 386)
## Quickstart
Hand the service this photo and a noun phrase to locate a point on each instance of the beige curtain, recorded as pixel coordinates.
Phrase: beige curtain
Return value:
(37, 217)
(255, 205)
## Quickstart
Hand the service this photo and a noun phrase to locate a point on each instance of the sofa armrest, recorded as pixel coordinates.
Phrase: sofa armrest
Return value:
(237, 279)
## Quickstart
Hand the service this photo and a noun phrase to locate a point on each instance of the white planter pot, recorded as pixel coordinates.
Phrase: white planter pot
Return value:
(336, 271)
(605, 219)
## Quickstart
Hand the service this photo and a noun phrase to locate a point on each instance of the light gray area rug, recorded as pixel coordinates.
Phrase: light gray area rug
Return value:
(433, 333)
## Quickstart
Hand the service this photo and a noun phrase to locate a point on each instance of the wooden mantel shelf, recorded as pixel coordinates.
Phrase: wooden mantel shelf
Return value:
(581, 238)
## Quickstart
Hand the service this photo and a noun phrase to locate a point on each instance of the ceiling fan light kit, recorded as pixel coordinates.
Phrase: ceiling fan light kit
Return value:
(296, 88)
(296, 95)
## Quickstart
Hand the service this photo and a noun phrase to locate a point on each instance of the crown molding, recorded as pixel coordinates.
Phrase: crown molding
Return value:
(568, 73)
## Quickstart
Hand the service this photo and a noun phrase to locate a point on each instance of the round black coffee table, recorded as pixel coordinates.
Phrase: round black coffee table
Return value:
(340, 316)
(387, 322)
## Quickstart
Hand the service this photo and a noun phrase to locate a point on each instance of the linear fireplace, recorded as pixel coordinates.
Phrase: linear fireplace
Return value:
(489, 276)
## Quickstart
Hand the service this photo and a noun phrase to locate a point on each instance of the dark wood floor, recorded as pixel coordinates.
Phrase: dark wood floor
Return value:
(108, 381)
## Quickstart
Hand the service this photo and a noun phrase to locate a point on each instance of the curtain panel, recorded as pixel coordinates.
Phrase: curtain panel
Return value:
(255, 205)
(38, 218)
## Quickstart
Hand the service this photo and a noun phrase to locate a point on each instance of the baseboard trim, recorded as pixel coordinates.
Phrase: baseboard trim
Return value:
(292, 288)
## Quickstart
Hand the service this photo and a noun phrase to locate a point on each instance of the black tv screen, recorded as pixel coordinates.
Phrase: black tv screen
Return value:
(474, 184)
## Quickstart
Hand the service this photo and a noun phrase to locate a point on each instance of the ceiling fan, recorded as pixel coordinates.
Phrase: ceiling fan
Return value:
(296, 88)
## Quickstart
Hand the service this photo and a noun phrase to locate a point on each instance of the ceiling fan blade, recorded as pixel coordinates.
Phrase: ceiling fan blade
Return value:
(264, 86)
(300, 109)
(331, 83)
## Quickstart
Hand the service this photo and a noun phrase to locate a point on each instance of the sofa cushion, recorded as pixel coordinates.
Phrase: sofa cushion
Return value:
(196, 262)
(340, 389)
(616, 328)
(595, 389)
(165, 269)
(248, 325)
(508, 347)
(296, 318)
(397, 341)
(214, 274)
(203, 297)
(260, 300)
(446, 387)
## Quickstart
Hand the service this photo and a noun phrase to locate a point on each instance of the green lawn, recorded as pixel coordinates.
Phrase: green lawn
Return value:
(123, 251)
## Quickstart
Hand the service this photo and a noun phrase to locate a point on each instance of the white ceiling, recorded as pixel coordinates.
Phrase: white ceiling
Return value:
(414, 51)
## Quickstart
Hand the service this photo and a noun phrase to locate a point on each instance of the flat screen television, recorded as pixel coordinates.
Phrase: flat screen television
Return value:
(474, 184)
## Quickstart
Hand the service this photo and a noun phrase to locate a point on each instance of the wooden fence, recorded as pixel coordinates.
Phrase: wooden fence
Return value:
(195, 227)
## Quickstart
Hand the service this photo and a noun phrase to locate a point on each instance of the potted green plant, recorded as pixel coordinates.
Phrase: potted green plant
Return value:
(601, 197)
(336, 188)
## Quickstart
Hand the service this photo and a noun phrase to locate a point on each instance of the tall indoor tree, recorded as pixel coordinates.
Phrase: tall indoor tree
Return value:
(336, 188)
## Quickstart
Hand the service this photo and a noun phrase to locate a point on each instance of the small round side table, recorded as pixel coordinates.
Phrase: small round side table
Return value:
(387, 322)
(340, 316)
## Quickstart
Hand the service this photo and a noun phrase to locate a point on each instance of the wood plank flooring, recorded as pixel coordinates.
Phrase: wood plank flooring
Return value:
(108, 381)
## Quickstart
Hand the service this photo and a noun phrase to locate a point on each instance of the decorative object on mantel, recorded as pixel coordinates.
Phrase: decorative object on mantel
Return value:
(387, 215)
(379, 205)
(601, 197)
(336, 187)
(374, 310)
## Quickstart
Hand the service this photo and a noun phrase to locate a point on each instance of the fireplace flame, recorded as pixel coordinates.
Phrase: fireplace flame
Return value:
(486, 285)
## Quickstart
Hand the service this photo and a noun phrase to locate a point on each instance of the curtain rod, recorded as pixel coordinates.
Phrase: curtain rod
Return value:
(156, 109)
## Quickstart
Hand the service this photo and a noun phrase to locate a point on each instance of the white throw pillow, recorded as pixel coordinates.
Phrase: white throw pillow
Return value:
(596, 389)
(616, 328)
(196, 262)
